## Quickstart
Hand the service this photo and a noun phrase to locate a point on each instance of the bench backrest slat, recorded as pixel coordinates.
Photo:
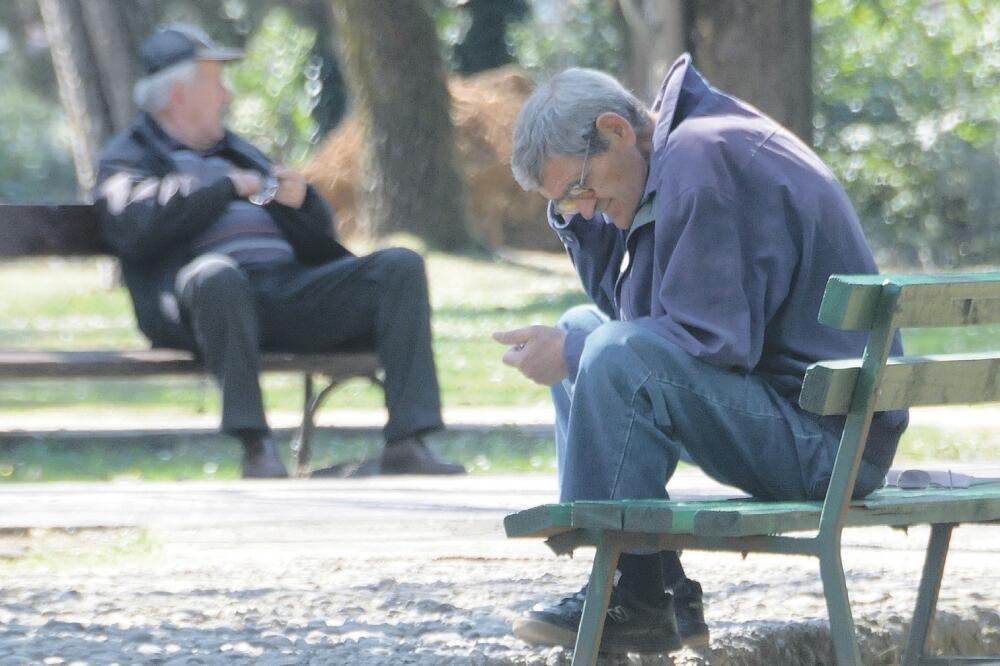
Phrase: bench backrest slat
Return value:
(42, 230)
(850, 301)
(908, 381)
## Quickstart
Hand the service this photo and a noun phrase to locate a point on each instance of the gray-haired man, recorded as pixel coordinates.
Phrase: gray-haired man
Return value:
(704, 233)
(226, 253)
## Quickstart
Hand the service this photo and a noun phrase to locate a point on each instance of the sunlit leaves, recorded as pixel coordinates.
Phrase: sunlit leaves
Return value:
(276, 87)
(907, 115)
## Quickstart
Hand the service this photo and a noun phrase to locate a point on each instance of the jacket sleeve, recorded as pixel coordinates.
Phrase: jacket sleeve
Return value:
(143, 215)
(721, 284)
(596, 249)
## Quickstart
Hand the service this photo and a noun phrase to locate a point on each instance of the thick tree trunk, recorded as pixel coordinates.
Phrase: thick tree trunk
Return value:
(93, 45)
(394, 66)
(759, 51)
(654, 38)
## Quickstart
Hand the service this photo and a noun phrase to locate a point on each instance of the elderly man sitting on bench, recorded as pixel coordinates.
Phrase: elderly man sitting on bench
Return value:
(705, 233)
(226, 253)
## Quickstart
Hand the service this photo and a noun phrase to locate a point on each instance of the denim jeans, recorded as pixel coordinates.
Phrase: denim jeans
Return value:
(639, 403)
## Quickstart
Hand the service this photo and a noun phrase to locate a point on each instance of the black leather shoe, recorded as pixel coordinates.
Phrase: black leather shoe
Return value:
(411, 456)
(261, 461)
(690, 612)
(629, 626)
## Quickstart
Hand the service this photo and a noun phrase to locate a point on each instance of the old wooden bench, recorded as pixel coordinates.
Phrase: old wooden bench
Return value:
(857, 388)
(72, 231)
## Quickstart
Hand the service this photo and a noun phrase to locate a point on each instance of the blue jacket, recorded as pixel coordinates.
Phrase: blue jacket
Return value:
(749, 225)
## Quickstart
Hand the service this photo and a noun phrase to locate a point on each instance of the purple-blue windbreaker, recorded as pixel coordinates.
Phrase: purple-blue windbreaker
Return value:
(749, 224)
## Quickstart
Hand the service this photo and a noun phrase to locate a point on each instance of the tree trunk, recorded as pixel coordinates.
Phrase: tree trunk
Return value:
(654, 38)
(93, 46)
(397, 76)
(759, 51)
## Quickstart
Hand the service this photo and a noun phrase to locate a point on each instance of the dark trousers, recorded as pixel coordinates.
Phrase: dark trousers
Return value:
(378, 301)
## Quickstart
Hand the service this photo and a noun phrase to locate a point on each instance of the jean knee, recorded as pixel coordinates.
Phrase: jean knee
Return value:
(581, 317)
(606, 351)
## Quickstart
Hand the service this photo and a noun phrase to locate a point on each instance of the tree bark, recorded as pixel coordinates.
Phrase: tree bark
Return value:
(759, 51)
(93, 45)
(654, 38)
(394, 66)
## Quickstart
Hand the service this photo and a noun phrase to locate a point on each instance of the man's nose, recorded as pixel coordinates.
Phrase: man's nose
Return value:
(588, 208)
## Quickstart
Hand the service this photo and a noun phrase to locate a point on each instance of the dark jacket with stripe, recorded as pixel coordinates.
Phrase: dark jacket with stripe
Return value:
(150, 214)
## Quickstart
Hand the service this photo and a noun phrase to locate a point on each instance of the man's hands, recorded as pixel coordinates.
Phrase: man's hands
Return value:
(291, 185)
(246, 182)
(537, 351)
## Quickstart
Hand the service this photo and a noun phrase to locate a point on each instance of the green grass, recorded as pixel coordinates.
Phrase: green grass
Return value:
(68, 304)
(180, 457)
(163, 457)
(63, 548)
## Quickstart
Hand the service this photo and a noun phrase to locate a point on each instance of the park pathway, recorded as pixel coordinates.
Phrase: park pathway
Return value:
(401, 571)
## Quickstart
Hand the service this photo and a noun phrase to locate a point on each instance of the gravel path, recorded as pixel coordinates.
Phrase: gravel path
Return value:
(403, 571)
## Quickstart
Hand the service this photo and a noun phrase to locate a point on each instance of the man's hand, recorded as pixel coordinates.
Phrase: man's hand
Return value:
(537, 351)
(291, 187)
(246, 181)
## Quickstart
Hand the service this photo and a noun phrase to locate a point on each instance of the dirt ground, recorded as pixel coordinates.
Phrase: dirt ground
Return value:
(405, 571)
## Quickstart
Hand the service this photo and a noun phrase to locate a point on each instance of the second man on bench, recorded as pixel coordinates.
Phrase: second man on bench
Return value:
(226, 253)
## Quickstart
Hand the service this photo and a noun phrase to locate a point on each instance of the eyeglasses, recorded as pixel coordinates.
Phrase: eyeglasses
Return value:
(569, 204)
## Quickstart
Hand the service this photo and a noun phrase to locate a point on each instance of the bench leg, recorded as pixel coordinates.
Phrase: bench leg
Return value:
(595, 608)
(927, 597)
(838, 606)
(302, 441)
(312, 401)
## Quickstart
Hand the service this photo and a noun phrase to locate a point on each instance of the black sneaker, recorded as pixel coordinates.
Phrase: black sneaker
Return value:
(690, 612)
(629, 626)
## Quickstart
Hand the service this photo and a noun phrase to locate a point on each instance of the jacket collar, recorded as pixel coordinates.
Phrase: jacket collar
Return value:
(682, 90)
(151, 133)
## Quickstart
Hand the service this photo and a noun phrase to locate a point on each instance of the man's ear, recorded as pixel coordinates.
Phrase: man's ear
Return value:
(615, 129)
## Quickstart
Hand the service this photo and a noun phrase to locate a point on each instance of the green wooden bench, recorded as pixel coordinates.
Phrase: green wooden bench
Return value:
(71, 230)
(857, 388)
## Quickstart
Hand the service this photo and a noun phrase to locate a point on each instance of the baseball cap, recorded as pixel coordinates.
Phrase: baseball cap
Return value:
(174, 44)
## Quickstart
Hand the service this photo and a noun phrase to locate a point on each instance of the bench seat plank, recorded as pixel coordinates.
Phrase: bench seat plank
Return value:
(62, 364)
(746, 517)
(540, 521)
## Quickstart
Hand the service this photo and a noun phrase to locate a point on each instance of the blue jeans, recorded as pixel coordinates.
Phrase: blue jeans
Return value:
(639, 403)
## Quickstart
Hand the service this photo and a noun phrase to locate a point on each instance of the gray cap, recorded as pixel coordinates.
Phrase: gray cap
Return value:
(174, 44)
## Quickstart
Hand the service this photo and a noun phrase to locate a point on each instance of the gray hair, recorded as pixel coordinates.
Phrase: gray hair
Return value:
(152, 93)
(559, 117)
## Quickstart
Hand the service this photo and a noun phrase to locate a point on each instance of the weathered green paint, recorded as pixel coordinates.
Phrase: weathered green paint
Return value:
(540, 521)
(850, 301)
(908, 381)
(736, 518)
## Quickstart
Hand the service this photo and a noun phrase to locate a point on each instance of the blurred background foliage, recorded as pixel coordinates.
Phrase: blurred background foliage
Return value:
(906, 99)
(907, 108)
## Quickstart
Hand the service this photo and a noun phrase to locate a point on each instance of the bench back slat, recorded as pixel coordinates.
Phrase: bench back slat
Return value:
(28, 230)
(850, 301)
(908, 381)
